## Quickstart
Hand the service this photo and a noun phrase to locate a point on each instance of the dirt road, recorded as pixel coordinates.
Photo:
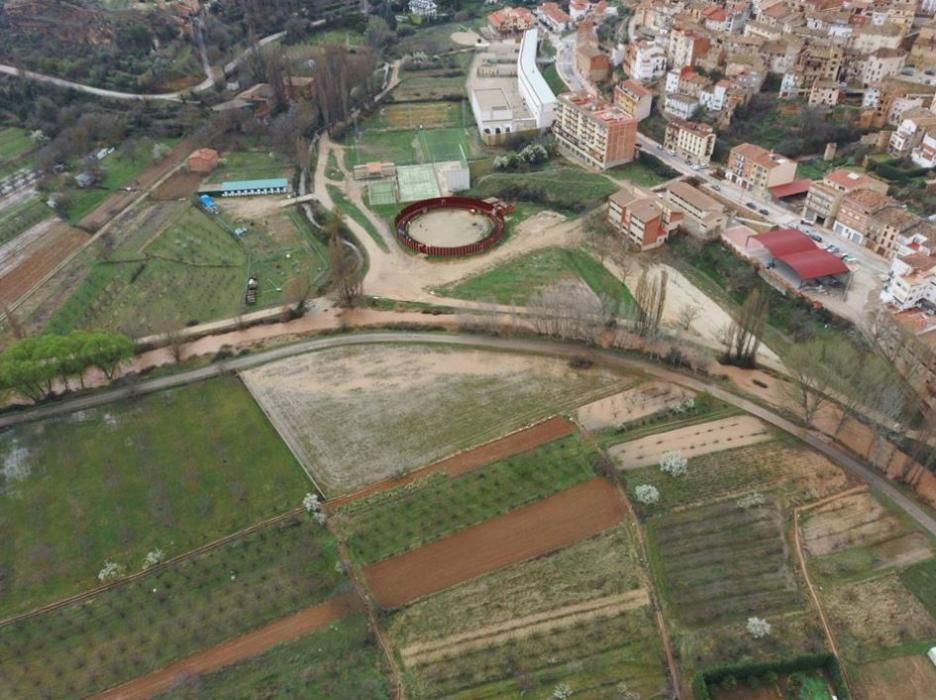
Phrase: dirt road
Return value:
(247, 645)
(531, 531)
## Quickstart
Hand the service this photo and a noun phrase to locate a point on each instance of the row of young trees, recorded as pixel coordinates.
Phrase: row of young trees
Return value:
(31, 366)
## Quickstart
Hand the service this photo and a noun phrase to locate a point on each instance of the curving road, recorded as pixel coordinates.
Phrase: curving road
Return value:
(204, 85)
(817, 441)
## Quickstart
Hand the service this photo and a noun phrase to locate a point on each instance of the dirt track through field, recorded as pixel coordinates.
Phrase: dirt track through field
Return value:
(516, 443)
(523, 627)
(530, 531)
(692, 441)
(247, 645)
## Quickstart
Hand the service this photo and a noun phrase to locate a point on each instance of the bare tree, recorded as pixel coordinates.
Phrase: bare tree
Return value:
(743, 336)
(811, 374)
(649, 300)
(297, 293)
(345, 275)
(688, 313)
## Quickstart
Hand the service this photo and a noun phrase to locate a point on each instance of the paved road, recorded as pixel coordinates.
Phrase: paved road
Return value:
(565, 62)
(817, 441)
(204, 85)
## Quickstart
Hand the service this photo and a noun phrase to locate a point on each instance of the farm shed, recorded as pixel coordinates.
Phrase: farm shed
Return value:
(246, 188)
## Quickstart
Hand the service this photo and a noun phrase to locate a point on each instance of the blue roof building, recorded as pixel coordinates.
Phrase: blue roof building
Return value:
(247, 188)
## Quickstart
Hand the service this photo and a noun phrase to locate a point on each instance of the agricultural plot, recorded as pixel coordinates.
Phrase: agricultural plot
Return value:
(356, 415)
(425, 115)
(143, 624)
(390, 523)
(173, 470)
(724, 562)
(631, 404)
(341, 661)
(518, 280)
(692, 441)
(20, 217)
(902, 678)
(793, 473)
(514, 631)
(249, 165)
(854, 537)
(14, 142)
(37, 259)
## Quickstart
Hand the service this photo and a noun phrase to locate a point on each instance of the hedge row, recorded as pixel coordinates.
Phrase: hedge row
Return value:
(812, 662)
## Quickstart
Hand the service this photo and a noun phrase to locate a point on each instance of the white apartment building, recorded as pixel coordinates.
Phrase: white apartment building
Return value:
(680, 105)
(881, 64)
(914, 125)
(423, 8)
(535, 92)
(924, 155)
(645, 61)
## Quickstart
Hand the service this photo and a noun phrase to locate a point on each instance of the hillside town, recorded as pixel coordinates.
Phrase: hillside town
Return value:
(391, 349)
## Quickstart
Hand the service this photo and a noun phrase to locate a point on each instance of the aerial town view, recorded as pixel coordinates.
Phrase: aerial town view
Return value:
(468, 349)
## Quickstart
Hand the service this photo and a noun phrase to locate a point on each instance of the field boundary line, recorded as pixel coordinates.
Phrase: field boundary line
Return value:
(130, 578)
(548, 620)
(797, 541)
(440, 464)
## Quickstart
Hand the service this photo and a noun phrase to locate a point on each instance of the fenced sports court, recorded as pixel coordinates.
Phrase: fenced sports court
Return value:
(417, 182)
(382, 192)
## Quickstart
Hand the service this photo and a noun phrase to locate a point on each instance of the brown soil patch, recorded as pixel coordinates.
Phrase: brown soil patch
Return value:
(692, 441)
(523, 627)
(469, 460)
(629, 405)
(906, 678)
(247, 645)
(411, 115)
(848, 522)
(178, 186)
(39, 258)
(530, 531)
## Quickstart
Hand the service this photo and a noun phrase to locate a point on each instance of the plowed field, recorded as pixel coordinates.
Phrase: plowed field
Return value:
(37, 260)
(534, 530)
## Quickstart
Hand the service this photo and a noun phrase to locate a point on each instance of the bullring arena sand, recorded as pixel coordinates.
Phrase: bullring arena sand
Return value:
(450, 228)
(358, 415)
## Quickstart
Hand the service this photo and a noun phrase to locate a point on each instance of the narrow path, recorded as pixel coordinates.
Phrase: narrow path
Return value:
(535, 346)
(251, 644)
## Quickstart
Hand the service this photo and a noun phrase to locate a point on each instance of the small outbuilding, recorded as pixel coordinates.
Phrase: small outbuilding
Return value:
(202, 161)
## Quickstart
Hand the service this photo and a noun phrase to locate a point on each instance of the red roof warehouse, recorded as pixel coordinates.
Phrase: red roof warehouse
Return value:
(797, 251)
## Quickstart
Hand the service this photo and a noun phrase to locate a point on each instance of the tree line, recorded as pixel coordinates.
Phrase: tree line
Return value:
(30, 366)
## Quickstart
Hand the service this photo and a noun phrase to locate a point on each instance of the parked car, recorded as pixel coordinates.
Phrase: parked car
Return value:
(751, 205)
(764, 212)
(816, 237)
(716, 188)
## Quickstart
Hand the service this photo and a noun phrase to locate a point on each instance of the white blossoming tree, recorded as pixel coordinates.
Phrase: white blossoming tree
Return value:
(311, 502)
(674, 463)
(153, 558)
(111, 571)
(647, 494)
(758, 627)
(561, 692)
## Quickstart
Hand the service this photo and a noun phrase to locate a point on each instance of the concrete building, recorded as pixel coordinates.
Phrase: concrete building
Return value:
(692, 141)
(703, 216)
(643, 218)
(824, 93)
(870, 38)
(755, 168)
(882, 64)
(645, 61)
(914, 125)
(593, 64)
(423, 8)
(923, 51)
(887, 226)
(854, 218)
(680, 106)
(685, 44)
(593, 131)
(534, 91)
(247, 188)
(633, 98)
(509, 21)
(554, 17)
(912, 282)
(924, 155)
(825, 195)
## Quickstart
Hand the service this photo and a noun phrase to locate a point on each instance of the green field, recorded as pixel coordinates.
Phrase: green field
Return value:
(409, 146)
(20, 217)
(638, 174)
(391, 523)
(250, 165)
(341, 661)
(351, 210)
(518, 280)
(332, 171)
(550, 186)
(593, 658)
(193, 271)
(141, 625)
(172, 470)
(921, 581)
(120, 169)
(14, 142)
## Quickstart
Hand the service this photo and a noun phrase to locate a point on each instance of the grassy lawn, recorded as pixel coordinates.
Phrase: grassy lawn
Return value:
(517, 280)
(250, 165)
(173, 470)
(14, 142)
(139, 626)
(592, 658)
(408, 146)
(385, 525)
(426, 115)
(341, 661)
(637, 173)
(549, 186)
(342, 37)
(554, 80)
(921, 580)
(120, 168)
(350, 209)
(20, 217)
(332, 171)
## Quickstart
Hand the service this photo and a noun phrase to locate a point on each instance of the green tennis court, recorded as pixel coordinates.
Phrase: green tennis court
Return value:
(417, 182)
(381, 192)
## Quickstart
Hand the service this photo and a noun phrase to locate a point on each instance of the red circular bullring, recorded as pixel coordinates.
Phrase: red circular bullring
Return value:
(493, 209)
